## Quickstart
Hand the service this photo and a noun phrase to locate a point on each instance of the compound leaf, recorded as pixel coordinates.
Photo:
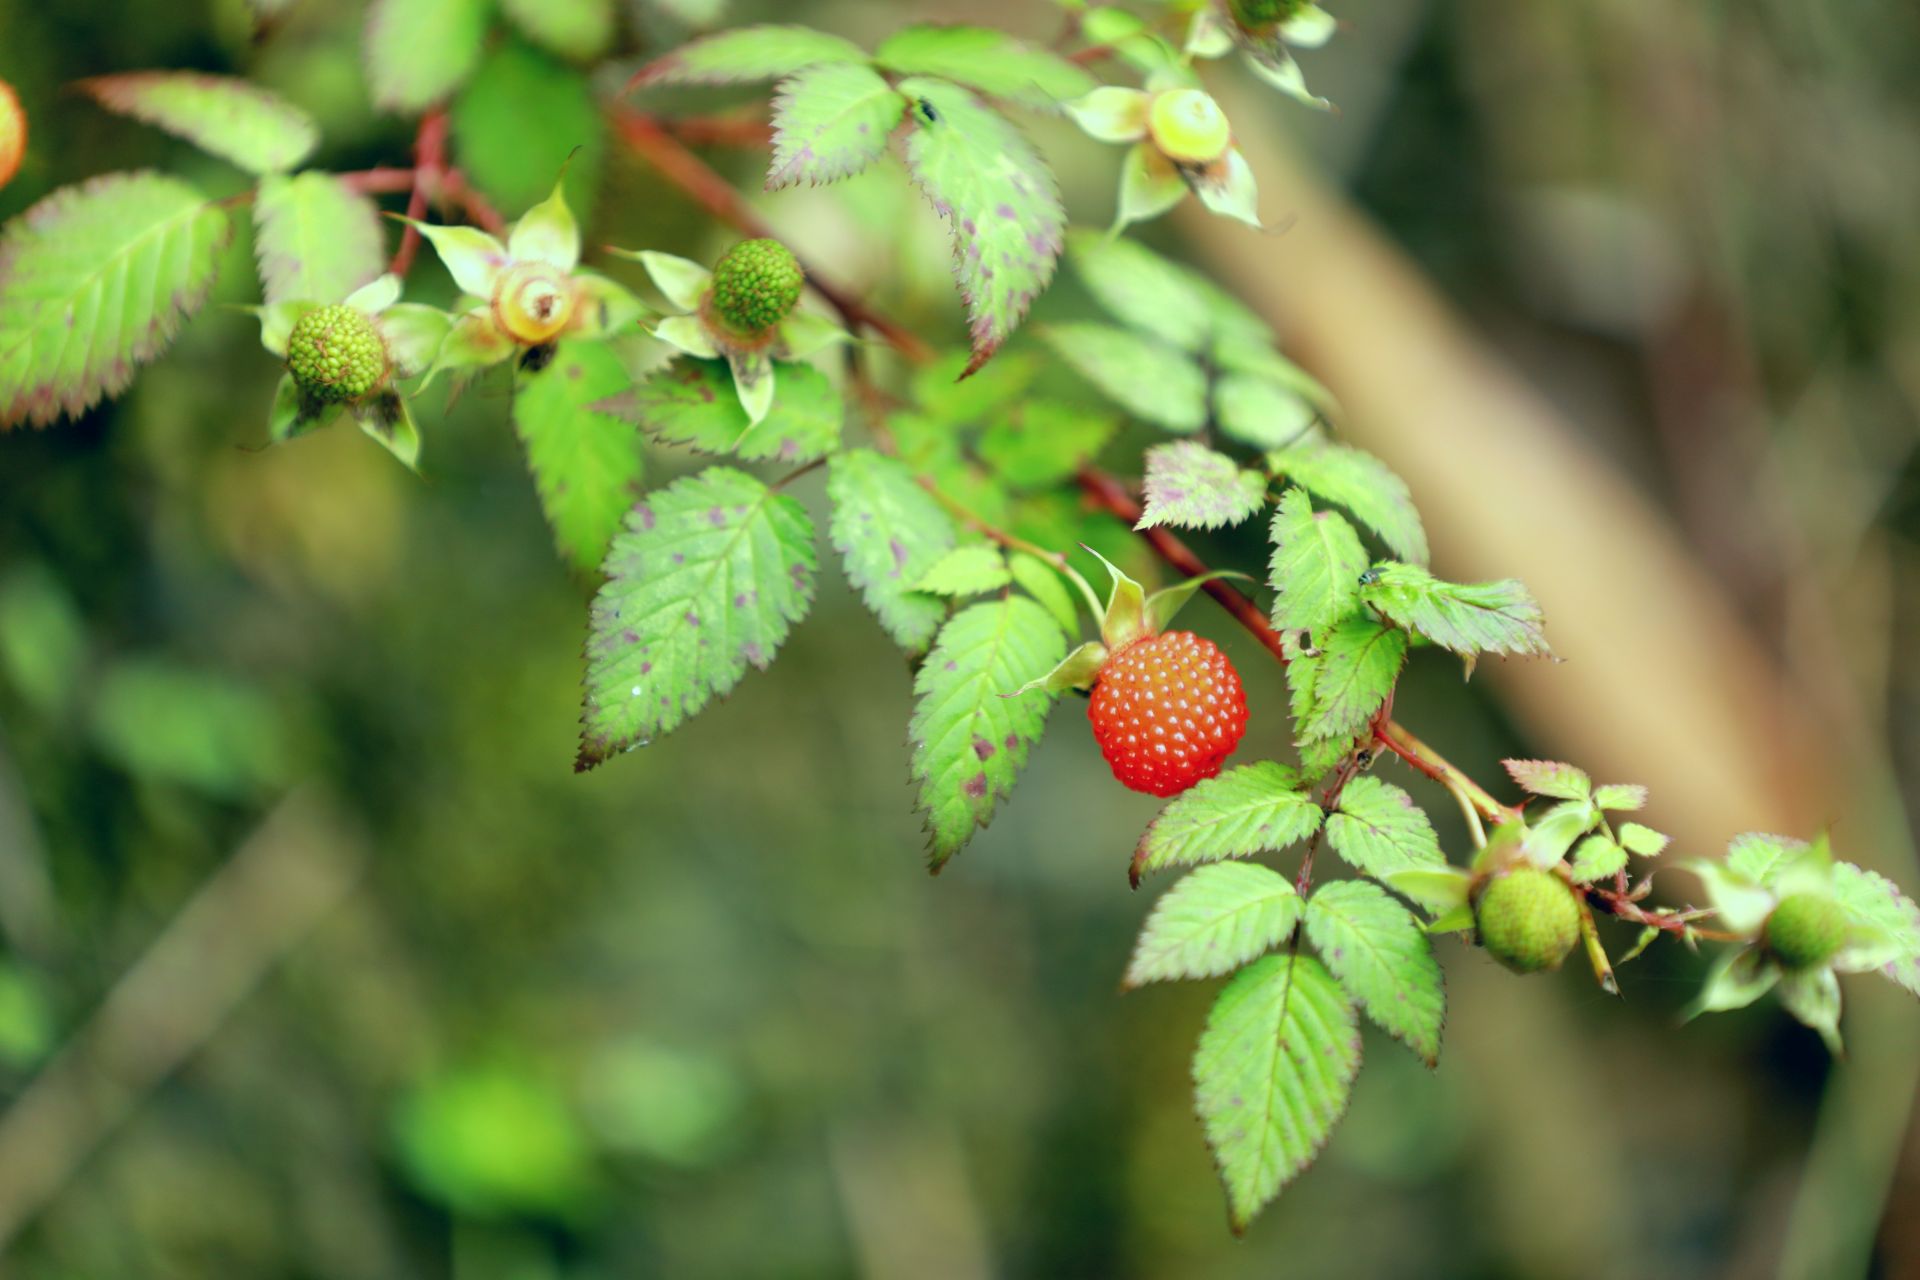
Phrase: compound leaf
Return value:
(579, 30)
(889, 531)
(708, 576)
(748, 54)
(991, 61)
(1378, 830)
(586, 465)
(1150, 380)
(1273, 1074)
(1361, 483)
(1215, 920)
(1383, 957)
(999, 198)
(316, 240)
(692, 402)
(969, 740)
(1316, 567)
(1466, 618)
(95, 279)
(1190, 485)
(1348, 680)
(419, 51)
(234, 119)
(1244, 811)
(830, 122)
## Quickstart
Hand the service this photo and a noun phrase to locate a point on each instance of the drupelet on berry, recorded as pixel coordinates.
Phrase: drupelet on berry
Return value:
(1166, 710)
(336, 354)
(756, 284)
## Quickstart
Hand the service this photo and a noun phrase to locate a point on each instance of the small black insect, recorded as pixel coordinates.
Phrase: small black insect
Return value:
(926, 109)
(1370, 577)
(538, 358)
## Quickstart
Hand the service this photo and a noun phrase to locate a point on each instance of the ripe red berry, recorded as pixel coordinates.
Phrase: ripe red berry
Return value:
(1166, 710)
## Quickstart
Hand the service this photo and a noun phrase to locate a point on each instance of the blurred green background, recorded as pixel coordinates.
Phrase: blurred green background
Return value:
(327, 965)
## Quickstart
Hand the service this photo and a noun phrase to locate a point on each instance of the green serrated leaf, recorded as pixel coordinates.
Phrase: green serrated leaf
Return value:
(692, 402)
(419, 51)
(1244, 811)
(316, 240)
(1358, 663)
(1316, 568)
(586, 465)
(1549, 778)
(579, 30)
(1042, 581)
(1621, 797)
(981, 58)
(234, 119)
(1597, 858)
(1142, 289)
(999, 199)
(969, 741)
(1261, 412)
(830, 122)
(1738, 978)
(1383, 958)
(1642, 840)
(1362, 484)
(1213, 921)
(1037, 444)
(1273, 1074)
(1464, 618)
(1379, 830)
(1190, 485)
(523, 117)
(1884, 926)
(1760, 857)
(889, 531)
(1147, 378)
(748, 54)
(966, 571)
(95, 279)
(707, 578)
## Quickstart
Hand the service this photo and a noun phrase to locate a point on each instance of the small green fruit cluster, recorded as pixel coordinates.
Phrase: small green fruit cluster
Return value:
(1805, 930)
(755, 285)
(1528, 919)
(336, 354)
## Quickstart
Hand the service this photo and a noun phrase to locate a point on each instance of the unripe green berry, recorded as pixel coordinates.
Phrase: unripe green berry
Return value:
(1528, 919)
(1188, 126)
(1805, 930)
(336, 354)
(755, 285)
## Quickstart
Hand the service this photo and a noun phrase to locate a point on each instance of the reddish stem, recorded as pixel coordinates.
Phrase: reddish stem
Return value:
(651, 141)
(430, 162)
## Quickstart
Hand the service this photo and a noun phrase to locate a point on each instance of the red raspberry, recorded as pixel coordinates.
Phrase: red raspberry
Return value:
(1166, 710)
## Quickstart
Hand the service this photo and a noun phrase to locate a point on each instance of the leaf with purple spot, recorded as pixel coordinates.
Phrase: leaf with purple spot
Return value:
(1194, 487)
(889, 532)
(707, 579)
(1383, 958)
(999, 197)
(830, 122)
(970, 740)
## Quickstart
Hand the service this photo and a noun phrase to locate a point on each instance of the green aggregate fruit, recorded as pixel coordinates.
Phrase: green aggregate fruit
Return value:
(755, 285)
(1806, 930)
(336, 354)
(1528, 919)
(1253, 15)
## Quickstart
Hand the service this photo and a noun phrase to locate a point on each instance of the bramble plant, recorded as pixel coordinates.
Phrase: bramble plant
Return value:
(968, 510)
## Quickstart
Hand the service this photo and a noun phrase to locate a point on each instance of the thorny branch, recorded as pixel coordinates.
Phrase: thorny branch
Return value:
(665, 148)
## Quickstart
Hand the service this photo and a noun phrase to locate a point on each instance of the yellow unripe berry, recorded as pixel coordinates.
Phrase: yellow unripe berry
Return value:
(533, 302)
(1188, 126)
(13, 133)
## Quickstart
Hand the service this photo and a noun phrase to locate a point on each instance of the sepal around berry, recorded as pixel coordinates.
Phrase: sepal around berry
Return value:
(1131, 614)
(1078, 670)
